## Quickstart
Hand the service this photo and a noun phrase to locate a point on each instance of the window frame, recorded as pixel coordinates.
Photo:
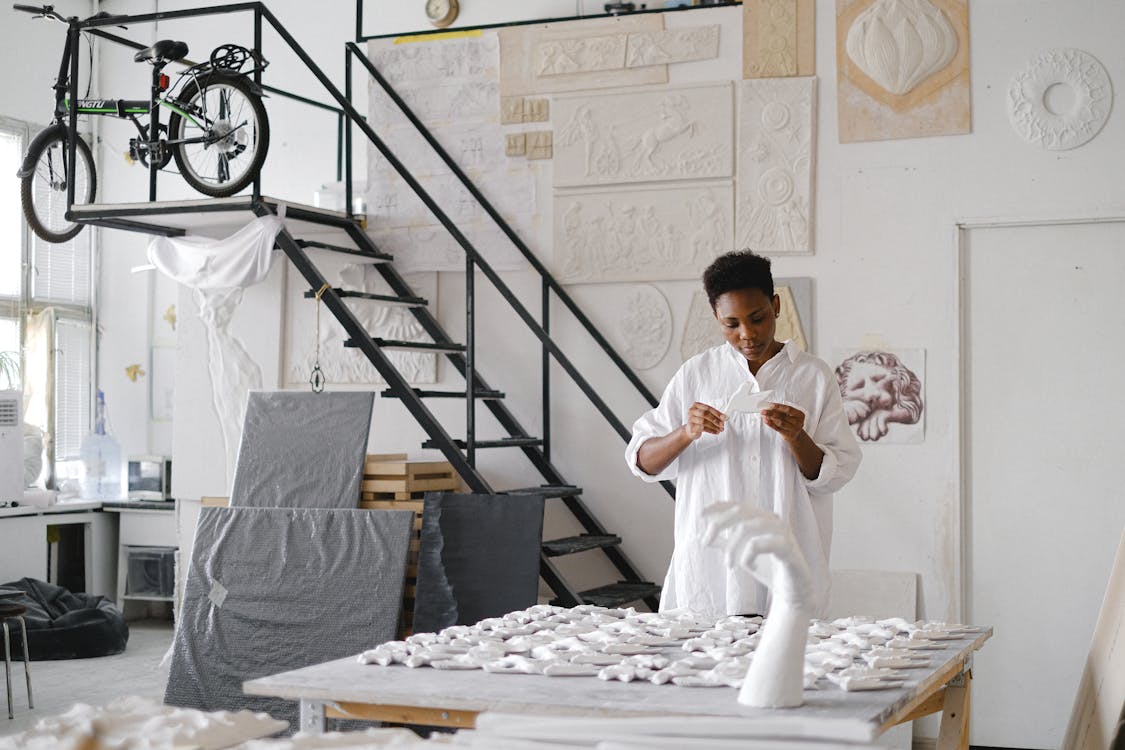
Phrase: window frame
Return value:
(23, 306)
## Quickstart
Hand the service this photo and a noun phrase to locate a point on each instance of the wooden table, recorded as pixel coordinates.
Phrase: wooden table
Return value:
(347, 689)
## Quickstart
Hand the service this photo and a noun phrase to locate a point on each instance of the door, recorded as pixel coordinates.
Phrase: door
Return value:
(1044, 355)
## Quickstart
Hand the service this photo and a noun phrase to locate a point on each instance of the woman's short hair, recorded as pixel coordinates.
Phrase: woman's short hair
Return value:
(742, 269)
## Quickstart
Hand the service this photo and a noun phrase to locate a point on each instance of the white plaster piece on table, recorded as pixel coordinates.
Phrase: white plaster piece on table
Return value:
(644, 136)
(136, 722)
(672, 46)
(900, 43)
(776, 150)
(520, 60)
(644, 328)
(748, 535)
(641, 234)
(1089, 84)
(353, 740)
(347, 365)
(583, 54)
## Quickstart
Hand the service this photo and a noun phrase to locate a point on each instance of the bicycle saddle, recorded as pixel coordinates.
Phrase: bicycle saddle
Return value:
(166, 50)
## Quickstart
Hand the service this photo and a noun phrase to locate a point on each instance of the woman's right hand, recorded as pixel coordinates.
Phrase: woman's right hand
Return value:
(703, 418)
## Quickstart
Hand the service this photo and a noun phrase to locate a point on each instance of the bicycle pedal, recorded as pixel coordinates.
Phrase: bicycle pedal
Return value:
(129, 158)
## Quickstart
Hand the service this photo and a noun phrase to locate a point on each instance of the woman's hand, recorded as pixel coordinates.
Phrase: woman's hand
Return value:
(789, 421)
(703, 418)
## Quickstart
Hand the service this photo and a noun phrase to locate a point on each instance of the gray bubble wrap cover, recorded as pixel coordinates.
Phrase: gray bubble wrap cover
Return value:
(302, 449)
(271, 590)
(478, 557)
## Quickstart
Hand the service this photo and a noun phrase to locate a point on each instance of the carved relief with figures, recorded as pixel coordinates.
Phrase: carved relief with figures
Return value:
(639, 136)
(641, 234)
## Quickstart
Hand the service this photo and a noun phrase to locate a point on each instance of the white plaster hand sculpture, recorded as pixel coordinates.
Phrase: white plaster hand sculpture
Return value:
(776, 675)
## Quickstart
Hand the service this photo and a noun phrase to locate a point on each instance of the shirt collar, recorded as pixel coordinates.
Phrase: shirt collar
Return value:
(788, 347)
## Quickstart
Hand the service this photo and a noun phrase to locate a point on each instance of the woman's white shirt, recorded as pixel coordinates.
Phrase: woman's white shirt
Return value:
(748, 462)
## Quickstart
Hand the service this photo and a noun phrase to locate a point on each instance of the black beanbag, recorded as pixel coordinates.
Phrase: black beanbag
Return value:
(65, 625)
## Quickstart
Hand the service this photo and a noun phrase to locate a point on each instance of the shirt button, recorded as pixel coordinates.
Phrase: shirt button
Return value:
(754, 459)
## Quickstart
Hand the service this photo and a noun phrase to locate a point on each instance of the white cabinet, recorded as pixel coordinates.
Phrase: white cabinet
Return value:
(147, 544)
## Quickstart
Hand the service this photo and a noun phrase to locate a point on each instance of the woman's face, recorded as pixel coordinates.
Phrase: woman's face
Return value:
(748, 320)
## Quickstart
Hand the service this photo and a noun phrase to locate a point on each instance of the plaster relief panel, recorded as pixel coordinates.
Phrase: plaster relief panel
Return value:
(1058, 126)
(701, 330)
(902, 68)
(539, 144)
(588, 54)
(344, 365)
(776, 146)
(672, 46)
(643, 329)
(575, 55)
(641, 136)
(453, 86)
(641, 235)
(778, 38)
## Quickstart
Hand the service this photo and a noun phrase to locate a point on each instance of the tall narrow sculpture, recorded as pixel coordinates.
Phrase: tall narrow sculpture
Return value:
(749, 536)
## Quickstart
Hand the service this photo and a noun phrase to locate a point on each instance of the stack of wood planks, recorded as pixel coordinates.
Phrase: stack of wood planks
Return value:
(392, 482)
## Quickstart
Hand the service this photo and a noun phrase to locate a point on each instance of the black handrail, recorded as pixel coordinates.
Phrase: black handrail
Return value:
(361, 37)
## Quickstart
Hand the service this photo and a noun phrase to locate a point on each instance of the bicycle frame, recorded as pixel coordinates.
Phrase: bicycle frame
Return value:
(160, 95)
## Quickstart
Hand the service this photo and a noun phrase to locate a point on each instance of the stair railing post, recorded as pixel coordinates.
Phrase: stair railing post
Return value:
(470, 361)
(545, 364)
(72, 119)
(347, 134)
(257, 81)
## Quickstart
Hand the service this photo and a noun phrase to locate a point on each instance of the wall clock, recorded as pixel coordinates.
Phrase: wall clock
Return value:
(442, 12)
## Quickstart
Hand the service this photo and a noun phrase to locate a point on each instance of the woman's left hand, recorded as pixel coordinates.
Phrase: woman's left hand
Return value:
(787, 420)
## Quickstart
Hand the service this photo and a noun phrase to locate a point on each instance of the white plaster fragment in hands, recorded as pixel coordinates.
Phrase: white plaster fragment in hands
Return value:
(776, 675)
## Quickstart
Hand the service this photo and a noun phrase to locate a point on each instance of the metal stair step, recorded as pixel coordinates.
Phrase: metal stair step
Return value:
(546, 490)
(418, 346)
(375, 257)
(423, 393)
(389, 299)
(572, 545)
(623, 592)
(511, 442)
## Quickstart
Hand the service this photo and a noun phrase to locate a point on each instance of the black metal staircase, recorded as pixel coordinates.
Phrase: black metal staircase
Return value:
(461, 453)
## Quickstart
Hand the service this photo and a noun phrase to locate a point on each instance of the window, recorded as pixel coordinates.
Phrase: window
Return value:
(46, 319)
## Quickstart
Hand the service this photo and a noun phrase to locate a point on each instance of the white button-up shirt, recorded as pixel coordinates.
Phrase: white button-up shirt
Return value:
(748, 462)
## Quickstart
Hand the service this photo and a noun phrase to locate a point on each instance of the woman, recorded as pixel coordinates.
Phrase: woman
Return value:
(788, 458)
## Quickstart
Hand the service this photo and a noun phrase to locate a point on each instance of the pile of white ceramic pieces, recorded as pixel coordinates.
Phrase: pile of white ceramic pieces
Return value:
(676, 648)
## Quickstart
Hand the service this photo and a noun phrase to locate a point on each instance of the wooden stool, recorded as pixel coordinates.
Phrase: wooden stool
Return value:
(9, 610)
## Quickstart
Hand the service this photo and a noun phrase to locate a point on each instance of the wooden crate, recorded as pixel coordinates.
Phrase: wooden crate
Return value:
(393, 482)
(393, 477)
(415, 504)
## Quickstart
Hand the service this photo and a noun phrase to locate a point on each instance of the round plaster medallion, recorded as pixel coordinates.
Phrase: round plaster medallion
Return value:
(1035, 118)
(776, 186)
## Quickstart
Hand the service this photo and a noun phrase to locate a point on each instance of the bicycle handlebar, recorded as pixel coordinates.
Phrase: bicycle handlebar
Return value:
(42, 11)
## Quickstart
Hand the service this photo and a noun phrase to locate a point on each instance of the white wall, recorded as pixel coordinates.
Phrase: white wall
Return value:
(884, 269)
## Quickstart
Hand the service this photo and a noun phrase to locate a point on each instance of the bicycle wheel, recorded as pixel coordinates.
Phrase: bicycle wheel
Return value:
(43, 184)
(219, 135)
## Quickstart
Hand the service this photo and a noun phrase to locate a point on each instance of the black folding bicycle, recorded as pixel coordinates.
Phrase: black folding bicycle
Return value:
(217, 131)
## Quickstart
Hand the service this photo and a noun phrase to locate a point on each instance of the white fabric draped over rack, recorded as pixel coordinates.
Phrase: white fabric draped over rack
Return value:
(218, 270)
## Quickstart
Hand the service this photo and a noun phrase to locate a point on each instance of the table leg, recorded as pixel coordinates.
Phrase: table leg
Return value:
(312, 717)
(954, 732)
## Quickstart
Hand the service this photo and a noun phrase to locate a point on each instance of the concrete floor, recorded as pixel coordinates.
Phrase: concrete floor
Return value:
(58, 685)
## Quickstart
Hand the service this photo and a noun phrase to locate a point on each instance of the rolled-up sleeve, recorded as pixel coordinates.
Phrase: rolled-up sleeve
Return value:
(657, 422)
(834, 436)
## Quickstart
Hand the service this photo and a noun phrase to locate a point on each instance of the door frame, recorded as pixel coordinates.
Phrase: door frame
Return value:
(962, 506)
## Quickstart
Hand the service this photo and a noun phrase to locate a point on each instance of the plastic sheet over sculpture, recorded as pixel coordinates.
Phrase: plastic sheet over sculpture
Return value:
(276, 589)
(302, 449)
